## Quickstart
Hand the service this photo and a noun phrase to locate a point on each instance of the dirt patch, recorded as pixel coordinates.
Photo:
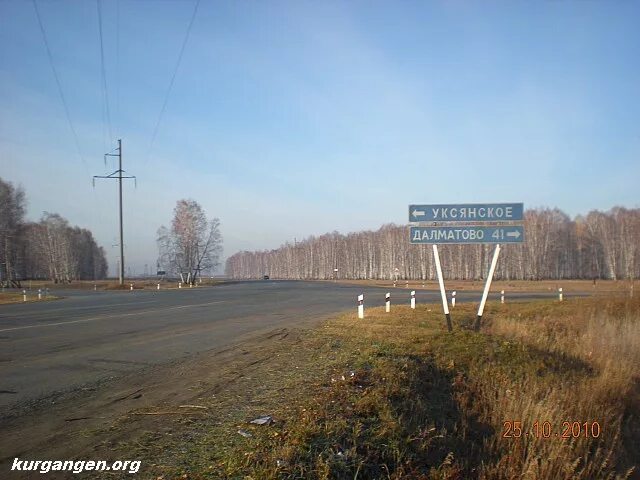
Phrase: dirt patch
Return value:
(90, 422)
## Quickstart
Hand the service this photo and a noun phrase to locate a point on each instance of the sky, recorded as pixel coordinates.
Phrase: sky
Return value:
(291, 119)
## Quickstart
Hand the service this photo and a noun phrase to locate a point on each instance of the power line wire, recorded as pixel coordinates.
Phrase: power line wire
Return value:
(60, 92)
(173, 78)
(105, 90)
(118, 119)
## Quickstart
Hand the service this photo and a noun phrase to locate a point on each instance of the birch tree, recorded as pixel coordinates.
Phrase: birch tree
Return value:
(192, 245)
(12, 209)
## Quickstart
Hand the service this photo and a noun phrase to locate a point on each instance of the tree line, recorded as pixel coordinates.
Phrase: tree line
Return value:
(48, 249)
(600, 245)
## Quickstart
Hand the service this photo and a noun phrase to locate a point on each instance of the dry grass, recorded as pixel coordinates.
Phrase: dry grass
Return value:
(602, 334)
(15, 297)
(604, 287)
(396, 396)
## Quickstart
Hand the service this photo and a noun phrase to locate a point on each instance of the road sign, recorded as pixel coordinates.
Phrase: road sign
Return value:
(467, 212)
(474, 234)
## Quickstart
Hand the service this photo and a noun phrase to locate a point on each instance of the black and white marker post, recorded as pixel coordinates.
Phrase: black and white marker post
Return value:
(413, 299)
(445, 303)
(387, 302)
(361, 306)
(487, 286)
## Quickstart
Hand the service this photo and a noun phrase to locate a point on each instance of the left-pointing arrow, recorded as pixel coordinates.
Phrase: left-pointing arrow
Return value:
(418, 213)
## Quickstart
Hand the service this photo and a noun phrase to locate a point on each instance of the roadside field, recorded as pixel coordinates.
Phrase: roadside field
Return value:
(582, 286)
(7, 297)
(110, 284)
(546, 390)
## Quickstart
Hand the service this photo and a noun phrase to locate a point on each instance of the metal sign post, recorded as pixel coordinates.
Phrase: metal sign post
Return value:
(445, 304)
(487, 286)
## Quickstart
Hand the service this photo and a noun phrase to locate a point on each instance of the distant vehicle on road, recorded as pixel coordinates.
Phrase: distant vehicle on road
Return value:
(265, 277)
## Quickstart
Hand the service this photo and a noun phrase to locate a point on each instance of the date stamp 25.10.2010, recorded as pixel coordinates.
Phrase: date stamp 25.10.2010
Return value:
(537, 429)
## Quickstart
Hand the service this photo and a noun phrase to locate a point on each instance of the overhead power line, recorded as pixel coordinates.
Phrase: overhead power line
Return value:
(60, 92)
(173, 78)
(105, 90)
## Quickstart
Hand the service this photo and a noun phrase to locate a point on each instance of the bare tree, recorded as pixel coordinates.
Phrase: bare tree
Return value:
(193, 244)
(50, 245)
(12, 202)
(49, 249)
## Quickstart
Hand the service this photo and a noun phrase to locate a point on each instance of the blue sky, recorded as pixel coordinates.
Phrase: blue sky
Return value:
(290, 119)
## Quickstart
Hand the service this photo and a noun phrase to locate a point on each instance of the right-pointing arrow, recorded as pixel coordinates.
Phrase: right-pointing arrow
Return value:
(515, 234)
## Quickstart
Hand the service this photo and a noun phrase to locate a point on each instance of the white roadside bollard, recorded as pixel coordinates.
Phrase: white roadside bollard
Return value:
(387, 302)
(361, 306)
(407, 284)
(453, 299)
(190, 285)
(413, 299)
(501, 296)
(24, 295)
(394, 284)
(179, 284)
(560, 293)
(39, 294)
(131, 287)
(158, 286)
(95, 287)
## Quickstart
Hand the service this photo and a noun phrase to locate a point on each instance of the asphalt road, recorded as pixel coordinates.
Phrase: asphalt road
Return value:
(89, 336)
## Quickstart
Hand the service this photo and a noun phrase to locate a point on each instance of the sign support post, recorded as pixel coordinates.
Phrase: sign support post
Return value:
(445, 303)
(487, 286)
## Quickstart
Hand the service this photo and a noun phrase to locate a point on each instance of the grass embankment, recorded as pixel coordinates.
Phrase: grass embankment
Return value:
(14, 297)
(396, 396)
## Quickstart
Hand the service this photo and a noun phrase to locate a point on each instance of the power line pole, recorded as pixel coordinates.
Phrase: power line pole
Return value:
(117, 175)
